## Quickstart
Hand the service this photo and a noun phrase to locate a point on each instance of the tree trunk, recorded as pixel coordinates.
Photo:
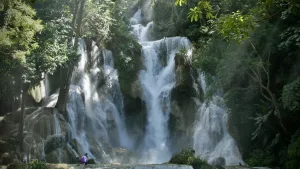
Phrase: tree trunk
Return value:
(76, 5)
(277, 110)
(65, 80)
(79, 22)
(21, 123)
(66, 73)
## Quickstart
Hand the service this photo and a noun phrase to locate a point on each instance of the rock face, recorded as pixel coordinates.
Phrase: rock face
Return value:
(146, 11)
(183, 105)
(46, 135)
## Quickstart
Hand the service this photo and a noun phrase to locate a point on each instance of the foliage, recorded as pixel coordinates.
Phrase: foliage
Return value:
(17, 42)
(17, 32)
(257, 75)
(260, 158)
(196, 13)
(202, 8)
(291, 38)
(187, 156)
(163, 19)
(294, 152)
(36, 164)
(98, 19)
(291, 95)
(125, 48)
(33, 164)
(235, 26)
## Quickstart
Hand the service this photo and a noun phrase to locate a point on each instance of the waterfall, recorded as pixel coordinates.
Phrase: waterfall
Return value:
(157, 81)
(95, 104)
(116, 98)
(90, 106)
(211, 138)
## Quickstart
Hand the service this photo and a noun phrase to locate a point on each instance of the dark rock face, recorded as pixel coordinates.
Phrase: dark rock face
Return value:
(183, 105)
(242, 135)
(91, 161)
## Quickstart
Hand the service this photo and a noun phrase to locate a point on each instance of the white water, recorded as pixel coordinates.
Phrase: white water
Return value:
(211, 138)
(157, 80)
(89, 106)
(88, 103)
(113, 87)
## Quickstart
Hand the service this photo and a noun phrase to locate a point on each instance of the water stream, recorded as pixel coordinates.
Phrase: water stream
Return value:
(211, 138)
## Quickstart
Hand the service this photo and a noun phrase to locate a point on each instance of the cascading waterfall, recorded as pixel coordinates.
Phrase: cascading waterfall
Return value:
(95, 105)
(157, 81)
(115, 97)
(90, 107)
(89, 103)
(211, 138)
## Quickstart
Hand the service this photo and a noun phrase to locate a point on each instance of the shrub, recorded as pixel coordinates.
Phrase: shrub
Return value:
(34, 164)
(260, 158)
(294, 152)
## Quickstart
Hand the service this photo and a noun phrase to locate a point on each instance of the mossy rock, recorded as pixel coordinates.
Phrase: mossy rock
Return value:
(187, 156)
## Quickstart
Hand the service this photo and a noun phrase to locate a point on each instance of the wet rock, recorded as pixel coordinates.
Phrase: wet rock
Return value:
(219, 161)
(183, 106)
(60, 155)
(53, 142)
(136, 89)
(6, 158)
(91, 161)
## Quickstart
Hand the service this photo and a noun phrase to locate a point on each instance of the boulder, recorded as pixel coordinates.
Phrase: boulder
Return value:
(61, 155)
(53, 142)
(91, 161)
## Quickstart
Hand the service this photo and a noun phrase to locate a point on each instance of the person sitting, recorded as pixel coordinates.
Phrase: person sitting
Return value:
(84, 160)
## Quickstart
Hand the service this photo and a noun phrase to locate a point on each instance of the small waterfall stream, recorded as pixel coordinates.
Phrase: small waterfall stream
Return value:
(211, 138)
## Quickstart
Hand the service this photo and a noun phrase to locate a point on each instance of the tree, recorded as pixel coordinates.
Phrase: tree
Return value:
(67, 70)
(17, 41)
